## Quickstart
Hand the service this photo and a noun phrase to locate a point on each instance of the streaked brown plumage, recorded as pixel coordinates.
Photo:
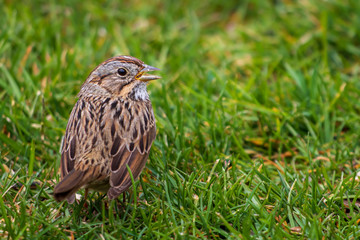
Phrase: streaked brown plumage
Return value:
(111, 125)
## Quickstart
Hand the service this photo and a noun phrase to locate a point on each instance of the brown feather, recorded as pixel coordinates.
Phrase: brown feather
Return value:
(120, 179)
(69, 185)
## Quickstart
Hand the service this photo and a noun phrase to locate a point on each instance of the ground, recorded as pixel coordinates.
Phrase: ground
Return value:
(258, 117)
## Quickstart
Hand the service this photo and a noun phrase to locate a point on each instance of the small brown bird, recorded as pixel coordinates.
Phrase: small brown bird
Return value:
(111, 126)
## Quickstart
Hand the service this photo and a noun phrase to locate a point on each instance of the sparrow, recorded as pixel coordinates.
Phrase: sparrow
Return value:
(110, 129)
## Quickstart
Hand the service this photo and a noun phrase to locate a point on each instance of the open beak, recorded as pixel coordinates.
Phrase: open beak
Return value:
(142, 76)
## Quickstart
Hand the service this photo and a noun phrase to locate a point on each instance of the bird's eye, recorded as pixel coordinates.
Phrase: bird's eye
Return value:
(122, 71)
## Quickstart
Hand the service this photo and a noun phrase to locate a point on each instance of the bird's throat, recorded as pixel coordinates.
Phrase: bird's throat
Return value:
(139, 93)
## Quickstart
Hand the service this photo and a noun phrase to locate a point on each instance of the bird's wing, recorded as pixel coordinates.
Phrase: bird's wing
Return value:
(78, 142)
(132, 131)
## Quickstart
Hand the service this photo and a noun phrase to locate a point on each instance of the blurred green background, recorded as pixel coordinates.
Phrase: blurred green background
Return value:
(257, 117)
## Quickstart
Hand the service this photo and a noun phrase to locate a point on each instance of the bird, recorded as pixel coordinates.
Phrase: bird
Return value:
(111, 129)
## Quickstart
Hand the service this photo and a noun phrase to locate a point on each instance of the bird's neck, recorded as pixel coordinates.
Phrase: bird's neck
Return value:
(130, 92)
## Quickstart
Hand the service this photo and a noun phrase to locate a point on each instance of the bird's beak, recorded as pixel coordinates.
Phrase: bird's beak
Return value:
(147, 77)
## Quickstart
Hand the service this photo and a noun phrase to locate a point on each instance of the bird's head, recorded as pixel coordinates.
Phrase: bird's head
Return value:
(121, 76)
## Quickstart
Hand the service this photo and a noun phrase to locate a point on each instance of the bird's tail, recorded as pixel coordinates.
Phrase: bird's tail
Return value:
(68, 186)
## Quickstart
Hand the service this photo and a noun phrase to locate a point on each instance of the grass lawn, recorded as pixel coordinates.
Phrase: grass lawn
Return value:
(258, 117)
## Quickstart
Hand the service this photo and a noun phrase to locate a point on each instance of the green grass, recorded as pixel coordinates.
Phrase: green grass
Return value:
(258, 117)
